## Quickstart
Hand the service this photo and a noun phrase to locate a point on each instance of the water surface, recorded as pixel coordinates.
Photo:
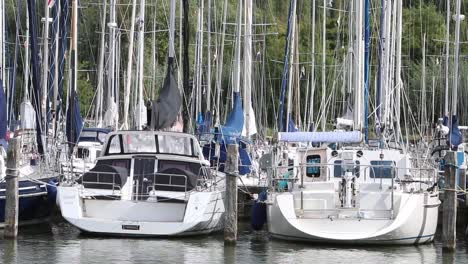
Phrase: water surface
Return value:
(60, 242)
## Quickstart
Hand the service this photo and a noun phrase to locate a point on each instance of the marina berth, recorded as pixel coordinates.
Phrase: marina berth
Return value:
(146, 183)
(351, 195)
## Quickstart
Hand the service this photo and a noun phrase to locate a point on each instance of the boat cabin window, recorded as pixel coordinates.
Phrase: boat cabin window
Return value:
(339, 171)
(139, 143)
(121, 163)
(114, 145)
(82, 153)
(382, 169)
(152, 143)
(176, 145)
(313, 171)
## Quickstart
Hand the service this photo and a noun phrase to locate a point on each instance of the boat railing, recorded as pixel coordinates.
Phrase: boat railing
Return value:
(285, 177)
(151, 183)
(419, 179)
(104, 180)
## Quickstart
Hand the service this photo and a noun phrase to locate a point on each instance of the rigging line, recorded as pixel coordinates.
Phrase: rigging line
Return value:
(412, 116)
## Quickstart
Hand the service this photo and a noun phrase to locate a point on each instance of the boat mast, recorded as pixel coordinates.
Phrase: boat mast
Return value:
(208, 55)
(381, 70)
(199, 59)
(141, 110)
(423, 88)
(291, 63)
(181, 44)
(100, 88)
(399, 83)
(172, 29)
(447, 61)
(73, 64)
(458, 18)
(359, 67)
(219, 69)
(128, 84)
(312, 70)
(248, 67)
(26, 59)
(2, 43)
(111, 94)
(366, 70)
(324, 57)
(237, 69)
(45, 67)
(56, 66)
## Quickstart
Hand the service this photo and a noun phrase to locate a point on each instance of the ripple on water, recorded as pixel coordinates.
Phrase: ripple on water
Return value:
(60, 242)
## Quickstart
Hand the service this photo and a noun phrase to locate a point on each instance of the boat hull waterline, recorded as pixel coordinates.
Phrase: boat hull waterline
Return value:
(201, 214)
(415, 223)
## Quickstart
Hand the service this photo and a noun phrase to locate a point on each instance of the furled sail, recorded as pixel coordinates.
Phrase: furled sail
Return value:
(3, 114)
(35, 70)
(28, 115)
(235, 121)
(165, 109)
(74, 120)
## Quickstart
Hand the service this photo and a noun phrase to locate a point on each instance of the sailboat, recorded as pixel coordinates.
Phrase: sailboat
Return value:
(338, 187)
(240, 123)
(37, 180)
(151, 182)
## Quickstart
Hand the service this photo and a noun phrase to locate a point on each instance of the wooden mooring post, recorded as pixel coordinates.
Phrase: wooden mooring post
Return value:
(449, 221)
(11, 197)
(230, 223)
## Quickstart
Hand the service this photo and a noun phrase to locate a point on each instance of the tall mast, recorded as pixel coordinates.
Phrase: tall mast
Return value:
(399, 83)
(172, 29)
(423, 87)
(208, 55)
(100, 84)
(179, 62)
(237, 69)
(381, 70)
(111, 94)
(366, 70)
(324, 57)
(248, 66)
(74, 45)
(447, 61)
(128, 83)
(458, 19)
(56, 62)
(312, 71)
(199, 58)
(358, 65)
(291, 64)
(26, 58)
(73, 63)
(2, 43)
(219, 61)
(141, 110)
(45, 66)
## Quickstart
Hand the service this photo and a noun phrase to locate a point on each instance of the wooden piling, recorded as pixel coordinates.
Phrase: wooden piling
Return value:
(11, 197)
(449, 221)
(230, 225)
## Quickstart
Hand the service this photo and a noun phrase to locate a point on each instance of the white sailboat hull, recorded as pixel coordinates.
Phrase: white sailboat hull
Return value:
(201, 214)
(415, 223)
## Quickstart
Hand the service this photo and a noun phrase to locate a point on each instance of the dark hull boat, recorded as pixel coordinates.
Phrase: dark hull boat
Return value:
(36, 200)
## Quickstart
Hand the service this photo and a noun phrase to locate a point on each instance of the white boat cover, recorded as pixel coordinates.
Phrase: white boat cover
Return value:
(324, 137)
(28, 115)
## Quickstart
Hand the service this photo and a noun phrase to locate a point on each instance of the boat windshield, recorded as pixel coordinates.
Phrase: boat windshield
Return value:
(175, 145)
(151, 143)
(139, 143)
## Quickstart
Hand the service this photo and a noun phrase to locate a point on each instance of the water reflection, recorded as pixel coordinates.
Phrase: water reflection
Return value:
(62, 243)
